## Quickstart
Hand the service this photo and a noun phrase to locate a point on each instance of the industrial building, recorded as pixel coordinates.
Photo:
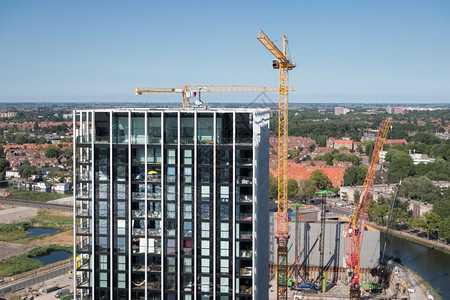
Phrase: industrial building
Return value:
(171, 203)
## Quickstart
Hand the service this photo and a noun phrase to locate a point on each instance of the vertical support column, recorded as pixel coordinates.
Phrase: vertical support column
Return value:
(146, 202)
(130, 221)
(254, 199)
(74, 176)
(92, 196)
(195, 231)
(178, 206)
(233, 234)
(163, 211)
(215, 203)
(111, 208)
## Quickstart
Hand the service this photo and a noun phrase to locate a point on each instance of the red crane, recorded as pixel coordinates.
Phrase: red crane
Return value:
(355, 230)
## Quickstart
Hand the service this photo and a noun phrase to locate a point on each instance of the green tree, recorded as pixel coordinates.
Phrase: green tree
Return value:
(355, 175)
(433, 222)
(420, 188)
(26, 173)
(52, 151)
(4, 164)
(306, 190)
(400, 165)
(359, 148)
(273, 186)
(292, 187)
(369, 148)
(445, 228)
(320, 179)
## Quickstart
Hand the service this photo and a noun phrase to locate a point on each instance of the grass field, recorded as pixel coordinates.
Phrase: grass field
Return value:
(34, 196)
(16, 232)
(25, 262)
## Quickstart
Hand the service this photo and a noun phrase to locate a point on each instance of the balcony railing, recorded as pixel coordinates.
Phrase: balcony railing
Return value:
(245, 253)
(245, 217)
(247, 235)
(154, 196)
(83, 230)
(244, 180)
(247, 271)
(154, 232)
(154, 214)
(246, 198)
(245, 161)
(83, 194)
(84, 247)
(138, 213)
(83, 212)
(138, 231)
(84, 176)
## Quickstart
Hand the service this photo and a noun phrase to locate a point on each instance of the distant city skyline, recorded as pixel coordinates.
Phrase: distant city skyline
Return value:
(352, 52)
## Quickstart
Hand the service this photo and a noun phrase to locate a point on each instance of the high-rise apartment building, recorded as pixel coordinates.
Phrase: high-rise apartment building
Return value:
(171, 203)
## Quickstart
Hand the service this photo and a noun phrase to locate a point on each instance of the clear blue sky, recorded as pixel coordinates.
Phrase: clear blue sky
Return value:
(346, 51)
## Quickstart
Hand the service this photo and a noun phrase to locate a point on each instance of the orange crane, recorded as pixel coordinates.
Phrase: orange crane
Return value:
(190, 91)
(356, 227)
(284, 64)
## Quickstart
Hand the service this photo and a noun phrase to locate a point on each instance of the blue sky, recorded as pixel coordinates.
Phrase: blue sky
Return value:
(346, 51)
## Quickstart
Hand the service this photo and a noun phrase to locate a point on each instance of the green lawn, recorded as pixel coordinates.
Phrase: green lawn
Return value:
(25, 262)
(16, 232)
(34, 196)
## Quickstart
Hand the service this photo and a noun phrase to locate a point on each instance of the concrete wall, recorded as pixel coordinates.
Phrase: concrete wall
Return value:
(335, 244)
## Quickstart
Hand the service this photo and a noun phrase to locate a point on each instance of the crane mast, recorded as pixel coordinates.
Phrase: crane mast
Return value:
(284, 64)
(355, 230)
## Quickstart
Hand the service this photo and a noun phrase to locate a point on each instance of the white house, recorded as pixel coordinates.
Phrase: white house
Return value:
(12, 174)
(61, 187)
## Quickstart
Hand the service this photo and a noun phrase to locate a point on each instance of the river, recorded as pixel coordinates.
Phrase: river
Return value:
(432, 265)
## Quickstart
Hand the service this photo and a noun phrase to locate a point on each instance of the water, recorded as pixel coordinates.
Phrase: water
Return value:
(430, 264)
(53, 257)
(39, 231)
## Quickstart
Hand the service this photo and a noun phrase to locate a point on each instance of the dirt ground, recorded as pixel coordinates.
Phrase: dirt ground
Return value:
(8, 250)
(62, 238)
(17, 214)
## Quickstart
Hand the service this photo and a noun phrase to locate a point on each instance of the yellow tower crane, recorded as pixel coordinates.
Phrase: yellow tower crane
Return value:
(284, 64)
(190, 91)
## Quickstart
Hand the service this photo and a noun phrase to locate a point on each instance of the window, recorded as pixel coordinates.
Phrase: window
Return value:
(187, 265)
(224, 175)
(205, 193)
(224, 193)
(205, 211)
(121, 227)
(154, 155)
(187, 175)
(121, 208)
(171, 159)
(103, 243)
(102, 226)
(205, 265)
(187, 213)
(121, 191)
(121, 172)
(224, 248)
(103, 279)
(224, 266)
(170, 210)
(205, 248)
(170, 246)
(103, 262)
(102, 173)
(120, 129)
(171, 193)
(138, 130)
(205, 129)
(121, 262)
(187, 229)
(103, 191)
(204, 286)
(187, 247)
(170, 264)
(205, 230)
(205, 174)
(224, 212)
(102, 209)
(224, 230)
(187, 195)
(224, 284)
(121, 280)
(154, 129)
(187, 156)
(121, 244)
(171, 174)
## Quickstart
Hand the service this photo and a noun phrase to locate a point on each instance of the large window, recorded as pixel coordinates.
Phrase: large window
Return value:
(102, 226)
(121, 227)
(170, 210)
(205, 129)
(205, 193)
(187, 156)
(171, 129)
(154, 129)
(205, 230)
(205, 265)
(121, 279)
(121, 209)
(103, 279)
(171, 264)
(102, 208)
(120, 129)
(103, 262)
(171, 156)
(171, 247)
(187, 265)
(154, 155)
(187, 195)
(171, 174)
(171, 196)
(137, 130)
(205, 247)
(121, 262)
(187, 213)
(103, 191)
(187, 129)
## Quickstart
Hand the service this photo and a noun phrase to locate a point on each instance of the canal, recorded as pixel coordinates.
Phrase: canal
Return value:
(432, 265)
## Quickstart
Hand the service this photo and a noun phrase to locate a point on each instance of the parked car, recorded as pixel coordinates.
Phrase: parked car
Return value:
(62, 292)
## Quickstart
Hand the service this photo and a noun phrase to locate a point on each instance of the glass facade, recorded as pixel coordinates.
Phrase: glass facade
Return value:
(165, 204)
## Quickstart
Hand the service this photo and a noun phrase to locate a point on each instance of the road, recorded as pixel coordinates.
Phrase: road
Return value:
(42, 205)
(413, 284)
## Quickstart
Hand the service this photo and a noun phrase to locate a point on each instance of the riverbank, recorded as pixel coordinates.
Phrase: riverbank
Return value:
(426, 285)
(413, 238)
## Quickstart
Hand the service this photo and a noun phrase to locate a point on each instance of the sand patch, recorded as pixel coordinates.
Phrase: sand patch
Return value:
(8, 250)
(17, 214)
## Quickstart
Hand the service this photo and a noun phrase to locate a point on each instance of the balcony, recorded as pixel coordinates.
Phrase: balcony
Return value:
(83, 230)
(84, 247)
(154, 285)
(245, 235)
(84, 267)
(83, 194)
(245, 253)
(245, 180)
(154, 196)
(246, 198)
(86, 176)
(138, 195)
(83, 212)
(137, 213)
(244, 161)
(138, 231)
(154, 232)
(247, 271)
(155, 268)
(154, 177)
(245, 217)
(154, 214)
